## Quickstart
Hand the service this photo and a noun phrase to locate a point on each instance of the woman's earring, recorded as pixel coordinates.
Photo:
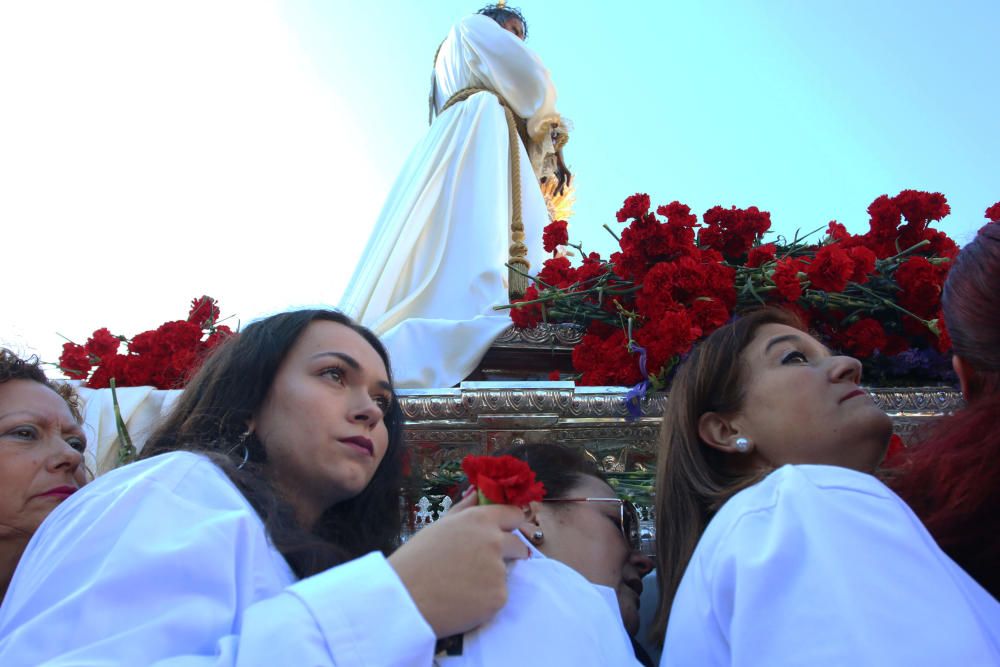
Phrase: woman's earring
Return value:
(537, 537)
(742, 445)
(242, 442)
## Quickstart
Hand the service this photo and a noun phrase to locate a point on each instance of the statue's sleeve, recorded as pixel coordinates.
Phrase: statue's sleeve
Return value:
(501, 62)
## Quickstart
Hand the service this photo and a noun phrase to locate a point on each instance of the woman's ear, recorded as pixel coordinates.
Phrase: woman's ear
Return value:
(531, 527)
(719, 432)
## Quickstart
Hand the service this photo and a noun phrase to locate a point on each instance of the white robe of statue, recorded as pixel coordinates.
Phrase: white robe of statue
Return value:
(434, 265)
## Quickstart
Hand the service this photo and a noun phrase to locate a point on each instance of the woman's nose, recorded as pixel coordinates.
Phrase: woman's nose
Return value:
(66, 457)
(366, 410)
(845, 369)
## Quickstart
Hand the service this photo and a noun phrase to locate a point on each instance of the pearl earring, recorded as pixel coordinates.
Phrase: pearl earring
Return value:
(742, 445)
(537, 537)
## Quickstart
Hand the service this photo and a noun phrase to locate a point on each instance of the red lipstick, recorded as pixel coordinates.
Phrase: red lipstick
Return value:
(856, 392)
(64, 491)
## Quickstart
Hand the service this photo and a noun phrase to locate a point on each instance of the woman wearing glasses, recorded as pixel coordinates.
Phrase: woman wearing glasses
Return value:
(575, 601)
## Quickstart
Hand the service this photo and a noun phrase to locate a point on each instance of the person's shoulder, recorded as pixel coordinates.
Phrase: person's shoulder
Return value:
(790, 482)
(805, 492)
(185, 475)
(168, 469)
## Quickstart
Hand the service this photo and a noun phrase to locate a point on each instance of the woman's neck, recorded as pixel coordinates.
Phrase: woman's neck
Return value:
(11, 549)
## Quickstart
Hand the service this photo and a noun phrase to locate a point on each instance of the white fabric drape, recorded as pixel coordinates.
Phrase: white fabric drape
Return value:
(164, 562)
(141, 408)
(825, 566)
(434, 266)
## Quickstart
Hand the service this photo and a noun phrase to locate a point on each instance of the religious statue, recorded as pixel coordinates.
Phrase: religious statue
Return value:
(466, 204)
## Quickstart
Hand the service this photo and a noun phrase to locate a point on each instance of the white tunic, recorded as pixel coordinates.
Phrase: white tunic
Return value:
(434, 266)
(822, 566)
(554, 616)
(165, 562)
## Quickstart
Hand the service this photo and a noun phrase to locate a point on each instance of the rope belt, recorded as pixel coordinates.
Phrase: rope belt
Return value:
(517, 262)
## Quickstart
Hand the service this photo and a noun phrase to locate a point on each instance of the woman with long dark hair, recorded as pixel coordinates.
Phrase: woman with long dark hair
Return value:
(257, 528)
(775, 543)
(951, 478)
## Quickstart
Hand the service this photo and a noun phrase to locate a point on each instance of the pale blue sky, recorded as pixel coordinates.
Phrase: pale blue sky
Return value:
(156, 151)
(809, 110)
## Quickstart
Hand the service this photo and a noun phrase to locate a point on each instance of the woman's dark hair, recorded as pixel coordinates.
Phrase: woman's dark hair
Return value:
(501, 13)
(693, 480)
(951, 477)
(558, 467)
(211, 417)
(13, 367)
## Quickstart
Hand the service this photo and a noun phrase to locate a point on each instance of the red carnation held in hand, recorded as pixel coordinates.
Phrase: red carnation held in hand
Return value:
(503, 480)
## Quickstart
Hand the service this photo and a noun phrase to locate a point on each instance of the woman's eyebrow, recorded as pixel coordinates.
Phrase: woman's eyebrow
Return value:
(21, 414)
(781, 339)
(346, 358)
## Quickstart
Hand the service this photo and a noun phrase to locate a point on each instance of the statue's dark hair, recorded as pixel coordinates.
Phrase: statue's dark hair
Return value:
(502, 13)
(211, 418)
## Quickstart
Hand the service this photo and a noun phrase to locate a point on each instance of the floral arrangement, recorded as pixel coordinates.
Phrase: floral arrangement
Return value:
(876, 296)
(164, 357)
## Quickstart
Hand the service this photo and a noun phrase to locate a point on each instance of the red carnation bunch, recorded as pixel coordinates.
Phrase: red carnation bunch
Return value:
(733, 231)
(502, 480)
(675, 280)
(164, 357)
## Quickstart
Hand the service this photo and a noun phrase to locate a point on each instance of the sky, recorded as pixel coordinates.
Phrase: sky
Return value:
(151, 152)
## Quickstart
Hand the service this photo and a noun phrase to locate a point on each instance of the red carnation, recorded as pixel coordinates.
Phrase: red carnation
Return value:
(864, 263)
(830, 269)
(503, 480)
(528, 315)
(592, 267)
(557, 272)
(204, 311)
(993, 213)
(920, 286)
(75, 361)
(837, 231)
(103, 344)
(786, 278)
(554, 235)
(709, 314)
(733, 231)
(761, 254)
(665, 336)
(864, 337)
(605, 360)
(635, 206)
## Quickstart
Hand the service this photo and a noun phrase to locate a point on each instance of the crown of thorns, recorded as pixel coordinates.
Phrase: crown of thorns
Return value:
(500, 12)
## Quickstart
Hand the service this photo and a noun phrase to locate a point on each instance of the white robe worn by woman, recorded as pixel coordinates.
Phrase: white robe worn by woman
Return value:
(434, 266)
(823, 566)
(164, 562)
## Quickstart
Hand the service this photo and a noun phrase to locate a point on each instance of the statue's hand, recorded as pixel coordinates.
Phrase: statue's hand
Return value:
(563, 175)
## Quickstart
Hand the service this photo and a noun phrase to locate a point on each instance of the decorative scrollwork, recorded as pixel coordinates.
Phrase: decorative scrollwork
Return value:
(543, 336)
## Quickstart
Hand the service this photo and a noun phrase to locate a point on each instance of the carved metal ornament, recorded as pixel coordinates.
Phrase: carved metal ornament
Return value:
(443, 425)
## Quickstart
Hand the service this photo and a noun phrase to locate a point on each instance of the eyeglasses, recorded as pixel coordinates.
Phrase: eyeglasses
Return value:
(628, 517)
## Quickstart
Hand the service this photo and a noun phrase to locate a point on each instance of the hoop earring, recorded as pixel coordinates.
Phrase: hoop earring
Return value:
(242, 442)
(742, 445)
